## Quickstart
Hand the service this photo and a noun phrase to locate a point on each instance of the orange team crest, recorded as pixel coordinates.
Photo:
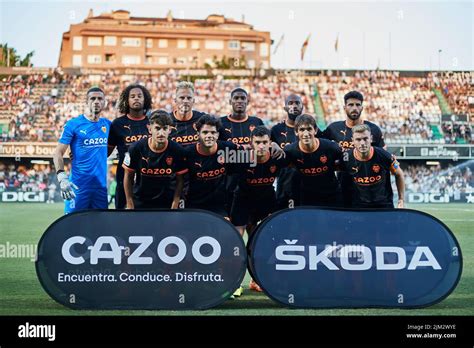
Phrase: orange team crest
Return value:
(251, 127)
(273, 169)
(104, 129)
(169, 160)
(323, 159)
(376, 168)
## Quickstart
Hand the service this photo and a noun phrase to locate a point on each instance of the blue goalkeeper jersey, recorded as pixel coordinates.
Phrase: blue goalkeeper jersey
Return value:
(88, 142)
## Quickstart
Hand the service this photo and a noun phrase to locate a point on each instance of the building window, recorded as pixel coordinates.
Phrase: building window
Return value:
(251, 64)
(234, 45)
(94, 41)
(214, 45)
(77, 60)
(149, 43)
(264, 50)
(77, 43)
(248, 46)
(110, 58)
(149, 59)
(130, 60)
(162, 60)
(195, 44)
(181, 44)
(94, 59)
(162, 43)
(110, 40)
(131, 42)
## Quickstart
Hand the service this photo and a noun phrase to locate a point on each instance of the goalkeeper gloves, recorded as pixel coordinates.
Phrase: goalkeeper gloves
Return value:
(66, 186)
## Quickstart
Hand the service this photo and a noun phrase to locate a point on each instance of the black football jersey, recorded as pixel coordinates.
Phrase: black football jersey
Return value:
(185, 132)
(238, 132)
(371, 177)
(153, 170)
(316, 169)
(125, 131)
(342, 134)
(207, 175)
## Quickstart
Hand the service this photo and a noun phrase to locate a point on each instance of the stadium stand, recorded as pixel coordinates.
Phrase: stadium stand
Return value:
(408, 109)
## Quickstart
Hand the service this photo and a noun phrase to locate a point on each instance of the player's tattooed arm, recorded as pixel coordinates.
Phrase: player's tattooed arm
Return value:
(276, 151)
(178, 191)
(128, 188)
(400, 182)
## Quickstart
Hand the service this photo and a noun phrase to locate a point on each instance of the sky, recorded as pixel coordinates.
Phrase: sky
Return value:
(399, 35)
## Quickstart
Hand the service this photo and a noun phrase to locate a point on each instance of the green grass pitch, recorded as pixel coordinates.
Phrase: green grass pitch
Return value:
(21, 293)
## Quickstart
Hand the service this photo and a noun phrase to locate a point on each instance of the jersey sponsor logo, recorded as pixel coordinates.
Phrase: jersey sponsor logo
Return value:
(195, 127)
(104, 129)
(252, 171)
(169, 160)
(126, 159)
(156, 171)
(284, 134)
(355, 169)
(346, 144)
(273, 169)
(367, 180)
(134, 138)
(251, 127)
(323, 159)
(376, 168)
(343, 131)
(211, 174)
(83, 131)
(127, 126)
(228, 130)
(186, 138)
(261, 181)
(314, 170)
(300, 160)
(146, 159)
(95, 141)
(240, 140)
(198, 164)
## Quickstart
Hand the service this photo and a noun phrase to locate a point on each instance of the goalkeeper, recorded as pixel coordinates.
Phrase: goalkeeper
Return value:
(86, 187)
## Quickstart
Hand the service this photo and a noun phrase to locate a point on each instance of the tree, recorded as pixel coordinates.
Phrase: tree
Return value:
(9, 57)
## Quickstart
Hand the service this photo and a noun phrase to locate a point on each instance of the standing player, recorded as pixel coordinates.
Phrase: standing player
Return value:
(134, 103)
(86, 135)
(207, 168)
(369, 168)
(154, 162)
(184, 117)
(254, 197)
(341, 133)
(284, 134)
(316, 161)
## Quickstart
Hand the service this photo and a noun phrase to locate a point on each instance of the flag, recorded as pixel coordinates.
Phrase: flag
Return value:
(305, 45)
(279, 44)
(336, 45)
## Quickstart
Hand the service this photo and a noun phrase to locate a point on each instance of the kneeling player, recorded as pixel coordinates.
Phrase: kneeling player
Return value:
(370, 168)
(316, 160)
(254, 198)
(154, 162)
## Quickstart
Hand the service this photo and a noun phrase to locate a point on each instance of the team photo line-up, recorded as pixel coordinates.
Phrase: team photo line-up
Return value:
(228, 165)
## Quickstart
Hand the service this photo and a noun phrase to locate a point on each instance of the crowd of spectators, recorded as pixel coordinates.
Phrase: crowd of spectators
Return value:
(35, 107)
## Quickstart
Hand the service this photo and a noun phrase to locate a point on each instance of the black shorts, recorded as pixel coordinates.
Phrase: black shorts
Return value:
(334, 201)
(251, 209)
(120, 200)
(218, 209)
